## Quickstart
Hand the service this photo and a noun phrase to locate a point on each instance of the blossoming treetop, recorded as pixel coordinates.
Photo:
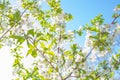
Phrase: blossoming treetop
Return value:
(55, 55)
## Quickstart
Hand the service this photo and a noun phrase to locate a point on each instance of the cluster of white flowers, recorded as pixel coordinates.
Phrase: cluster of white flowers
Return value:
(80, 28)
(112, 30)
(104, 28)
(116, 9)
(59, 19)
(70, 33)
(88, 41)
(19, 2)
(78, 58)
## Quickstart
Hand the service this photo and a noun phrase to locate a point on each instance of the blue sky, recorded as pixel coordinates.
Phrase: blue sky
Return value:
(85, 10)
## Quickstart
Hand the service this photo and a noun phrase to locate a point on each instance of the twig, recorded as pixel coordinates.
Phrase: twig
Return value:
(75, 76)
(89, 53)
(70, 74)
(50, 63)
(84, 60)
(42, 53)
(59, 40)
(5, 33)
(113, 22)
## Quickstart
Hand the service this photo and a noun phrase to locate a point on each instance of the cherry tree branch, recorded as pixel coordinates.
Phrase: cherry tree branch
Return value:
(89, 53)
(70, 74)
(5, 33)
(42, 53)
(113, 22)
(49, 63)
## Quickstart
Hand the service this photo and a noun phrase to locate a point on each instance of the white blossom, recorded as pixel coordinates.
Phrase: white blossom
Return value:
(88, 41)
(59, 20)
(70, 33)
(116, 9)
(80, 28)
(78, 58)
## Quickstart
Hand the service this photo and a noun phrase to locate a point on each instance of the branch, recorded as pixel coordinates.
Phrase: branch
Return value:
(49, 63)
(5, 33)
(59, 40)
(42, 53)
(70, 74)
(13, 25)
(75, 76)
(84, 60)
(113, 22)
(89, 53)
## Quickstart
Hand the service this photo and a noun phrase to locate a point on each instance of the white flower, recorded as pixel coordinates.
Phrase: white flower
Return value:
(70, 32)
(19, 2)
(118, 26)
(88, 41)
(86, 50)
(78, 58)
(80, 28)
(102, 53)
(93, 55)
(58, 19)
(97, 23)
(116, 9)
(93, 58)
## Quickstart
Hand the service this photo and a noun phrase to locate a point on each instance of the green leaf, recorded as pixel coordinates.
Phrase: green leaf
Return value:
(1, 45)
(115, 15)
(97, 20)
(42, 38)
(42, 44)
(50, 70)
(68, 17)
(50, 45)
(89, 78)
(111, 74)
(94, 37)
(118, 6)
(101, 48)
(29, 52)
(11, 16)
(80, 32)
(34, 53)
(31, 32)
(29, 45)
(94, 28)
(81, 71)
(71, 56)
(16, 62)
(17, 16)
(39, 34)
(50, 53)
(2, 6)
(67, 52)
(74, 47)
(20, 39)
(59, 10)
